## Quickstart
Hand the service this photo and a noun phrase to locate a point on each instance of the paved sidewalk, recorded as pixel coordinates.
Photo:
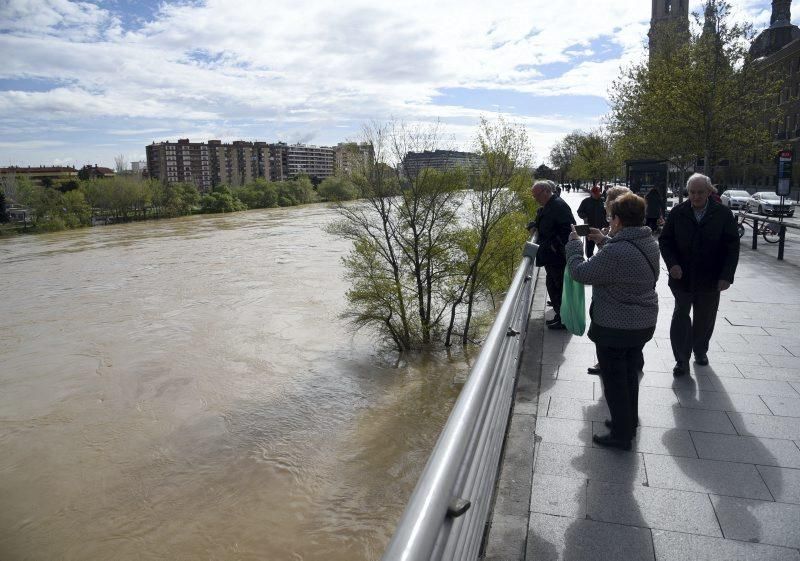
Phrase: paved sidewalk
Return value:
(715, 471)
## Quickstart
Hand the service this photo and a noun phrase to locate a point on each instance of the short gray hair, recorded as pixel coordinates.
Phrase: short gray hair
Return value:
(700, 178)
(614, 193)
(545, 184)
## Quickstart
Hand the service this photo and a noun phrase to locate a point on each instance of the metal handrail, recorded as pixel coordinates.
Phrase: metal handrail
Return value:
(447, 512)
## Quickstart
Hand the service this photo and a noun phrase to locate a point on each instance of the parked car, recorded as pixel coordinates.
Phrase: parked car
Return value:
(735, 199)
(770, 203)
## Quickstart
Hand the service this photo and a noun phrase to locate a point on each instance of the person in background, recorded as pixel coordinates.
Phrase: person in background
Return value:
(600, 236)
(700, 246)
(593, 212)
(623, 312)
(552, 226)
(654, 214)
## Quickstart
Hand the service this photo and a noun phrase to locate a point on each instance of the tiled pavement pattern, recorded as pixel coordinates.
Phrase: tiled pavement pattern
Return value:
(715, 471)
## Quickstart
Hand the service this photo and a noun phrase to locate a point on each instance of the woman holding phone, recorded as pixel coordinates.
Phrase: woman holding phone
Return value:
(623, 312)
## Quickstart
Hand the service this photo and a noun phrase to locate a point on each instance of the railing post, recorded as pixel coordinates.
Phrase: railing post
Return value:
(782, 240)
(755, 233)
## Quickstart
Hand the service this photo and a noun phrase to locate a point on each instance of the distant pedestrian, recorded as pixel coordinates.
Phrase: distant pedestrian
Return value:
(593, 212)
(700, 246)
(552, 226)
(654, 213)
(624, 310)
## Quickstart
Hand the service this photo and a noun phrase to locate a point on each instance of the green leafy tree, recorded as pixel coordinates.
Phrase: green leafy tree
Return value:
(505, 154)
(337, 188)
(703, 99)
(404, 241)
(221, 199)
(258, 194)
(595, 157)
(3, 213)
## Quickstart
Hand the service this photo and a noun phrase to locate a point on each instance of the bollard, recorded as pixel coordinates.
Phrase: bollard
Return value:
(755, 233)
(782, 241)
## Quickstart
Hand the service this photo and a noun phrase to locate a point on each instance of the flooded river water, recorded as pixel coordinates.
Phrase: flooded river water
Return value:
(185, 390)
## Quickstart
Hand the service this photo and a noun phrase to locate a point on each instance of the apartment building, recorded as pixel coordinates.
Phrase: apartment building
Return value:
(440, 160)
(180, 162)
(236, 163)
(350, 156)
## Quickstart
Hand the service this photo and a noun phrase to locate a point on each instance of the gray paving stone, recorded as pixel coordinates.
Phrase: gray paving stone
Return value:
(786, 361)
(754, 387)
(507, 538)
(514, 484)
(667, 380)
(654, 440)
(795, 387)
(576, 372)
(747, 449)
(758, 521)
(686, 419)
(565, 431)
(722, 360)
(647, 395)
(590, 463)
(672, 546)
(767, 426)
(555, 538)
(783, 483)
(562, 496)
(705, 476)
(781, 406)
(773, 372)
(721, 401)
(568, 388)
(584, 409)
(647, 507)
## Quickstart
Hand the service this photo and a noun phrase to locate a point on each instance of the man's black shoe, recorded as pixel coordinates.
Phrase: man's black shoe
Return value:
(594, 369)
(557, 325)
(556, 319)
(681, 369)
(701, 359)
(611, 442)
(549, 303)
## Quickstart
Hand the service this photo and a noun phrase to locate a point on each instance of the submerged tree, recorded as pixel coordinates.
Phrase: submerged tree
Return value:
(420, 240)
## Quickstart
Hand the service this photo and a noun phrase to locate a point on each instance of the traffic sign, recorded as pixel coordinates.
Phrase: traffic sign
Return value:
(784, 184)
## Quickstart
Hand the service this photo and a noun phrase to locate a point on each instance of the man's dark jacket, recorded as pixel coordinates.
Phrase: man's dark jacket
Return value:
(553, 222)
(593, 211)
(707, 252)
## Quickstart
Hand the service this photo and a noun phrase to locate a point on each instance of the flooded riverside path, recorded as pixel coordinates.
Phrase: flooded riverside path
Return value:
(185, 390)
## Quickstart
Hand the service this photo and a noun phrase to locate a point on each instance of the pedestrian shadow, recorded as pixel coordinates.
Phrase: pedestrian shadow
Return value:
(721, 470)
(600, 517)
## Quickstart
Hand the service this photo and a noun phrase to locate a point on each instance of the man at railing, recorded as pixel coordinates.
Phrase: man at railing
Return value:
(552, 226)
(700, 245)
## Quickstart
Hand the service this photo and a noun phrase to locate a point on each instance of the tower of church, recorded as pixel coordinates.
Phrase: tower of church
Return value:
(669, 22)
(780, 32)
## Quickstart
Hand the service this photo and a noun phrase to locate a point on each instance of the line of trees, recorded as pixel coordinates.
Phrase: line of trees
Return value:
(73, 203)
(698, 102)
(427, 251)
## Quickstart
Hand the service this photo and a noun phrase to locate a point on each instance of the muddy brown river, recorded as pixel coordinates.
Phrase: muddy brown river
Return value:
(185, 390)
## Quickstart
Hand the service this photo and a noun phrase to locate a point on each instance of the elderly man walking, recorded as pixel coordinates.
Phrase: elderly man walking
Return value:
(553, 225)
(700, 246)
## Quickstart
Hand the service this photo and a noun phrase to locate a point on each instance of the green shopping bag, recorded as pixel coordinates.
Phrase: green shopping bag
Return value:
(573, 305)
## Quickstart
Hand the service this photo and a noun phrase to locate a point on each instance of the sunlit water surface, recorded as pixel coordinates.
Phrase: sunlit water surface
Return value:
(185, 389)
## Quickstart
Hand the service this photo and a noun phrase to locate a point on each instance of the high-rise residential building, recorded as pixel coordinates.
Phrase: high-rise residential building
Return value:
(180, 162)
(236, 163)
(313, 161)
(349, 156)
(440, 160)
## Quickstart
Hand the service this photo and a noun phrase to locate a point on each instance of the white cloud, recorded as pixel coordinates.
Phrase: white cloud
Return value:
(310, 64)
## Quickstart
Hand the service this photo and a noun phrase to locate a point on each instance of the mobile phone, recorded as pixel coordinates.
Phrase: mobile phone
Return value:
(582, 229)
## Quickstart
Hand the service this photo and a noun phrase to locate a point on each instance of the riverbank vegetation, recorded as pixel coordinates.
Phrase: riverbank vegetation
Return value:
(430, 247)
(75, 203)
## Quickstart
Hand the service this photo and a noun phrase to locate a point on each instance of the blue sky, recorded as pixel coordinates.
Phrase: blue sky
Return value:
(83, 82)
